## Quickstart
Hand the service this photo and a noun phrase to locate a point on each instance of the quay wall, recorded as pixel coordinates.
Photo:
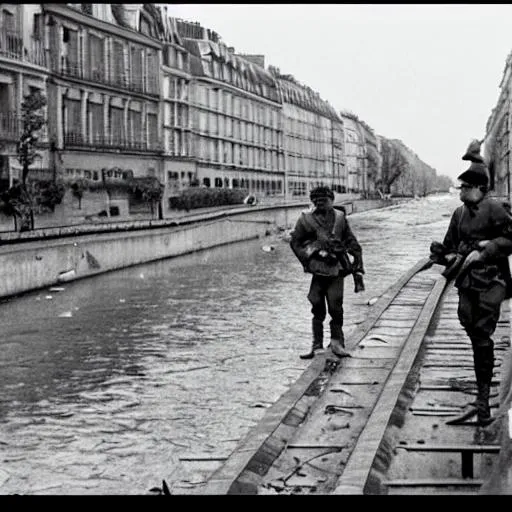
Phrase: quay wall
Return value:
(41, 258)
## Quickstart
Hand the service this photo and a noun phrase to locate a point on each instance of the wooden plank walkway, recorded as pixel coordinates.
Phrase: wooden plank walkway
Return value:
(430, 456)
(321, 417)
(375, 423)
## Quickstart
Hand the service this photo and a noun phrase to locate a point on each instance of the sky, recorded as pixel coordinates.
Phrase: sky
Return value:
(427, 74)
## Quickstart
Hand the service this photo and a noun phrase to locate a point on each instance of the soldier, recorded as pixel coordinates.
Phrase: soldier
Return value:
(321, 240)
(476, 246)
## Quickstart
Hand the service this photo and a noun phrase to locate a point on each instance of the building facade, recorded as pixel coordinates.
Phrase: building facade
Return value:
(355, 153)
(179, 163)
(23, 68)
(313, 139)
(235, 117)
(498, 137)
(104, 94)
(372, 159)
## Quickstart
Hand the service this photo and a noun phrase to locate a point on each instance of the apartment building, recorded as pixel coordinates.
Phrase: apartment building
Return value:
(179, 164)
(235, 116)
(372, 159)
(104, 92)
(355, 153)
(498, 137)
(22, 69)
(313, 138)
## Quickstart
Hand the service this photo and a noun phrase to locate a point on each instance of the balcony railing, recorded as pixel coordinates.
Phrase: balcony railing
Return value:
(122, 81)
(110, 143)
(10, 126)
(12, 47)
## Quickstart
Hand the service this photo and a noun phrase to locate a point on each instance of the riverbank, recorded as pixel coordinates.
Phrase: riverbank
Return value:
(46, 257)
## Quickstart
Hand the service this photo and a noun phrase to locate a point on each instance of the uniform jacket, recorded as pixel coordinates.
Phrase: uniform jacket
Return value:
(491, 220)
(312, 234)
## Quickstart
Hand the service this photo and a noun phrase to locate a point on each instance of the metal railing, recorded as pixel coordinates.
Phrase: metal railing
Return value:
(105, 142)
(13, 47)
(123, 80)
(10, 126)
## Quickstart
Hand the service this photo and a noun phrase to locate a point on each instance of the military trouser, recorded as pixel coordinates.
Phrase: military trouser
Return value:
(327, 290)
(479, 312)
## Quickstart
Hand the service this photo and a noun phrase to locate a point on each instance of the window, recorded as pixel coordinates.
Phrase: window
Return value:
(9, 21)
(70, 37)
(135, 128)
(38, 26)
(145, 27)
(153, 131)
(96, 128)
(152, 73)
(87, 8)
(118, 64)
(136, 78)
(213, 123)
(218, 182)
(117, 125)
(72, 121)
(96, 58)
(206, 182)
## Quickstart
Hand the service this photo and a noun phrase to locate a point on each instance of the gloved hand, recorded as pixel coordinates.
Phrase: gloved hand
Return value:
(358, 282)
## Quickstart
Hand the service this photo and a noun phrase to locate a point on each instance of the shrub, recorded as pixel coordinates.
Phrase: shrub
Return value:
(195, 197)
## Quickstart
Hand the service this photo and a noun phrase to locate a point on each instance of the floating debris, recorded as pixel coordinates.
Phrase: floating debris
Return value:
(66, 276)
(161, 491)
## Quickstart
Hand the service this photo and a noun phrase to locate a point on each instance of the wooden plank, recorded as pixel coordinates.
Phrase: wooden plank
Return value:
(450, 448)
(448, 482)
(357, 470)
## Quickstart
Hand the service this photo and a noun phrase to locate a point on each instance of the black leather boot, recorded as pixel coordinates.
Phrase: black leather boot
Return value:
(316, 347)
(484, 417)
(486, 356)
(318, 339)
(484, 363)
(338, 348)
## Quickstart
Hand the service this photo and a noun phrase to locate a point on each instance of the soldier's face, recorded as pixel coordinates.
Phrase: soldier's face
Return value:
(470, 193)
(322, 204)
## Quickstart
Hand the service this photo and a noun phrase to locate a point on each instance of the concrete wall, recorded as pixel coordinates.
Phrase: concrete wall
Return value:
(32, 260)
(35, 264)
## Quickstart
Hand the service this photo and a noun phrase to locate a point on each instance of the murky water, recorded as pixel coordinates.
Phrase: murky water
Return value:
(106, 382)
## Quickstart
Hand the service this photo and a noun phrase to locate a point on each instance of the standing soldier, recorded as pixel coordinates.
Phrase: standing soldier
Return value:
(475, 250)
(321, 240)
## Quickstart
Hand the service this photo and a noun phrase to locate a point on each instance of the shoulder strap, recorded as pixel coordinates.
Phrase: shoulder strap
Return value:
(312, 222)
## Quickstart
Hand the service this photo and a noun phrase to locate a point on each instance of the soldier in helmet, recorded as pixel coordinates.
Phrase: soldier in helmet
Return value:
(479, 236)
(322, 240)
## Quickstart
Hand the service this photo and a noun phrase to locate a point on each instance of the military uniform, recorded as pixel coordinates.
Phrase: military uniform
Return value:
(331, 232)
(484, 226)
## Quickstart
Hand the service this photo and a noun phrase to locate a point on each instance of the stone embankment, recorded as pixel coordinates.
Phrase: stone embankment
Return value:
(45, 257)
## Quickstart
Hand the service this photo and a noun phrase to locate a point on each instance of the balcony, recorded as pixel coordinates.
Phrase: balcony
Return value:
(103, 142)
(140, 85)
(12, 47)
(10, 126)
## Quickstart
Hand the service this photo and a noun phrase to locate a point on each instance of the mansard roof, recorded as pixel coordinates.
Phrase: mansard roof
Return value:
(303, 96)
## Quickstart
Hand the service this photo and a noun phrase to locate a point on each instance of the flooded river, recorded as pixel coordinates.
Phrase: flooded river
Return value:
(106, 382)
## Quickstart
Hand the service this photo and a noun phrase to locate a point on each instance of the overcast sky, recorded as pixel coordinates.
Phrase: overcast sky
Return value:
(424, 73)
